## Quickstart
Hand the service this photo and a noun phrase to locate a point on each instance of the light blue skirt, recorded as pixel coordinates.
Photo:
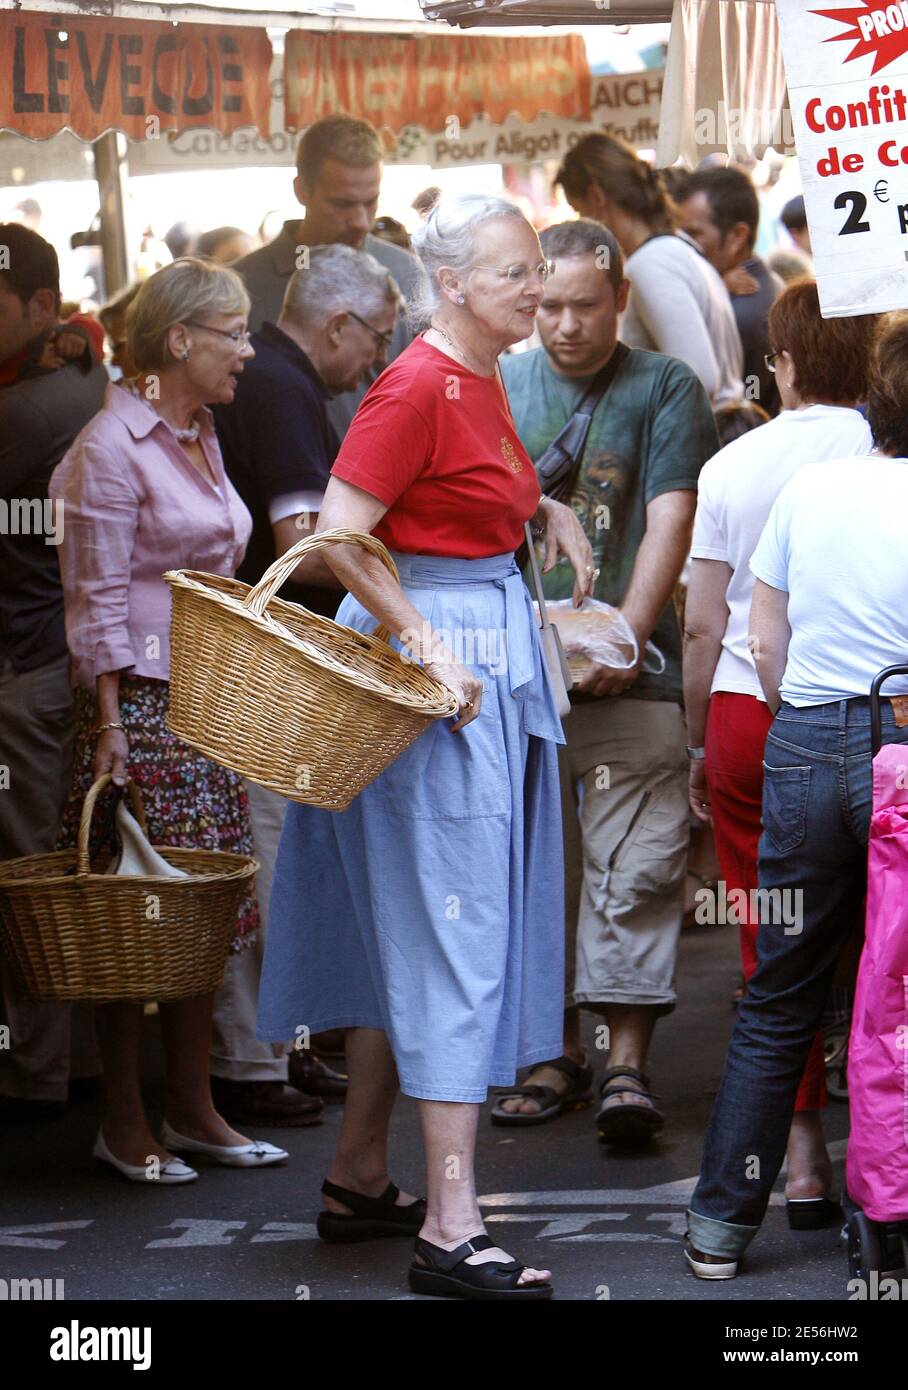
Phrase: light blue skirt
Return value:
(432, 908)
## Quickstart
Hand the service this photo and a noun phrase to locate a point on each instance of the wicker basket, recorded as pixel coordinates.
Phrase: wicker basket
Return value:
(74, 933)
(292, 700)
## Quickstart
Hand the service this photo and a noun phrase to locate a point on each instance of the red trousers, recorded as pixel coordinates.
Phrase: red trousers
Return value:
(736, 731)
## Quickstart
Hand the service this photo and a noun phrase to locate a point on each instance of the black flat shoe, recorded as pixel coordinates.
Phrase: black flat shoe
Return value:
(627, 1124)
(446, 1274)
(812, 1213)
(371, 1217)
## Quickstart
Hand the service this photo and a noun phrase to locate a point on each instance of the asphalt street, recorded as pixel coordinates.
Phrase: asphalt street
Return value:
(609, 1224)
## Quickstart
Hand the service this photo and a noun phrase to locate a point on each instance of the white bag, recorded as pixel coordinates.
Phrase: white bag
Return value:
(137, 855)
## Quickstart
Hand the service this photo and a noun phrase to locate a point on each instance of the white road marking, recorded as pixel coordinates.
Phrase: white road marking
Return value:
(18, 1235)
(198, 1232)
(286, 1230)
(559, 1225)
(665, 1194)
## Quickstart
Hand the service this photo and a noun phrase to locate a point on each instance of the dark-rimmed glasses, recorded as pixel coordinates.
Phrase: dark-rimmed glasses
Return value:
(383, 338)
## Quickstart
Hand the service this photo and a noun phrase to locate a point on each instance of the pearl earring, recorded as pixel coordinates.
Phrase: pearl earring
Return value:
(184, 355)
(459, 299)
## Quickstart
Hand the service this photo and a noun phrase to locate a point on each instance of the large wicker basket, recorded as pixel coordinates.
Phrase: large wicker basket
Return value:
(290, 699)
(73, 933)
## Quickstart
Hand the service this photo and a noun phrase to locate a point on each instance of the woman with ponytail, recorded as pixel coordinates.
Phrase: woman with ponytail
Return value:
(678, 304)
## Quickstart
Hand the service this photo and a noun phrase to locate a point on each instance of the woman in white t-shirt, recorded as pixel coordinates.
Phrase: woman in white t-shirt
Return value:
(821, 370)
(678, 304)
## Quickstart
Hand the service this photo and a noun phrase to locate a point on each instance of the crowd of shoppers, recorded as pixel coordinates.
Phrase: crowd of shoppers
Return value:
(828, 614)
(822, 374)
(508, 851)
(678, 304)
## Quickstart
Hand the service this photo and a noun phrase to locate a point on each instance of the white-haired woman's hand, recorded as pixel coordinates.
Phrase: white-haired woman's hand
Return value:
(461, 681)
(564, 537)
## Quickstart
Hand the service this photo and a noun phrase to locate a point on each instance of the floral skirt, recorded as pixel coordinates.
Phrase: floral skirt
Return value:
(190, 802)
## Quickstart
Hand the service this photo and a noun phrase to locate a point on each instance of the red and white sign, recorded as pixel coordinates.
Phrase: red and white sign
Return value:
(847, 71)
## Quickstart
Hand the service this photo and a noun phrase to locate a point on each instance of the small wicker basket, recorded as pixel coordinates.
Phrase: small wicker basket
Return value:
(73, 933)
(292, 700)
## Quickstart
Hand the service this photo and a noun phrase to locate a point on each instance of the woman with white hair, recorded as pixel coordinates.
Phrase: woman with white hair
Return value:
(427, 918)
(144, 490)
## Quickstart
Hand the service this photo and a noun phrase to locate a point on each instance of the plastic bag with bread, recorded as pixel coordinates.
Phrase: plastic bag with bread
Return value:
(593, 633)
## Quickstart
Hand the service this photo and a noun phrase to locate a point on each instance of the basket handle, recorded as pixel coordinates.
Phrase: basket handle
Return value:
(83, 863)
(261, 594)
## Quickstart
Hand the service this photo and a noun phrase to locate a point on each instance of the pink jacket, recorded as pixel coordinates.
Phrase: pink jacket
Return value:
(877, 1161)
(133, 507)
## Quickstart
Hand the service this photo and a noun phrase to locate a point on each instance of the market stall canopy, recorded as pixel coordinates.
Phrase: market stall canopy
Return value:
(153, 77)
(433, 82)
(137, 76)
(724, 79)
(724, 83)
(468, 14)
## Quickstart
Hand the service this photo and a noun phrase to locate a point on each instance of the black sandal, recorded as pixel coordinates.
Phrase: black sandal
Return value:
(551, 1102)
(627, 1123)
(372, 1217)
(446, 1273)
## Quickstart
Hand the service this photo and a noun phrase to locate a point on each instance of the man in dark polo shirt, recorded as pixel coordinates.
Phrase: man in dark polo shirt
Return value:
(278, 446)
(339, 164)
(41, 411)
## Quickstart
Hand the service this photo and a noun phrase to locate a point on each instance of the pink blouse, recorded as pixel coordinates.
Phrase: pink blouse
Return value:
(133, 507)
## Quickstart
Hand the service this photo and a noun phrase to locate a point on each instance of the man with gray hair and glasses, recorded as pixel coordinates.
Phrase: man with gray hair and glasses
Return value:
(278, 446)
(338, 183)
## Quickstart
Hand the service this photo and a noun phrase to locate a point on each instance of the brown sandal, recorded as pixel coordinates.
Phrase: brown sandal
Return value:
(552, 1103)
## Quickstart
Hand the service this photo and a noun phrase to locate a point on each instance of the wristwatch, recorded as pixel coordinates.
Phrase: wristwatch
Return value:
(695, 754)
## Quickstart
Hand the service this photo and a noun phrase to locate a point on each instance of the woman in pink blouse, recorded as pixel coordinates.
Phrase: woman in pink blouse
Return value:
(144, 491)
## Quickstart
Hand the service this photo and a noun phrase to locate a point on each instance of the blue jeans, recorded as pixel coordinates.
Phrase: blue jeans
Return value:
(812, 873)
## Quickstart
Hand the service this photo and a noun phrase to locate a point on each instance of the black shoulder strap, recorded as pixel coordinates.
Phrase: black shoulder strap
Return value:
(602, 381)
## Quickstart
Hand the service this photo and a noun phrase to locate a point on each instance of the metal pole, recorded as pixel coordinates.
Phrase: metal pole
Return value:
(110, 172)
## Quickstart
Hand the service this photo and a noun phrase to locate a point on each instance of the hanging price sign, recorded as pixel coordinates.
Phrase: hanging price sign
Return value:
(847, 71)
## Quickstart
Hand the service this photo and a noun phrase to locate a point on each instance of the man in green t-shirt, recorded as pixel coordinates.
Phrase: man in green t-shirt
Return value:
(625, 769)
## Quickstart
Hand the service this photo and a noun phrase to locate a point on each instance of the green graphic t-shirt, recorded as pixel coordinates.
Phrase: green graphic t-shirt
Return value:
(652, 432)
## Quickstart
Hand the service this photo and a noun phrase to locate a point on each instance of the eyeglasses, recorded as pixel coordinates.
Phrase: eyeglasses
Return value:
(383, 338)
(770, 359)
(519, 274)
(240, 338)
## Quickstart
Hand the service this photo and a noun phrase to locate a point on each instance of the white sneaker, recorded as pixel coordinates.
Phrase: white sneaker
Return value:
(704, 1270)
(173, 1170)
(257, 1154)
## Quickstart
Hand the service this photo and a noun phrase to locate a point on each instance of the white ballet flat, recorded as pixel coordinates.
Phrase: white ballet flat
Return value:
(174, 1170)
(258, 1154)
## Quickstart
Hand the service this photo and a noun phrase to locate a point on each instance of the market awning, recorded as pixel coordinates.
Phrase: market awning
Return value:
(468, 14)
(137, 76)
(724, 82)
(432, 82)
(151, 76)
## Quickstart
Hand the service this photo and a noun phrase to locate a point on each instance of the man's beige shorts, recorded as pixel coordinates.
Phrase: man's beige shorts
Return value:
(624, 777)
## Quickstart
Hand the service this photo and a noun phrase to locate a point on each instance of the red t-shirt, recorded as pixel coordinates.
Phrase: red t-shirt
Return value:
(437, 444)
